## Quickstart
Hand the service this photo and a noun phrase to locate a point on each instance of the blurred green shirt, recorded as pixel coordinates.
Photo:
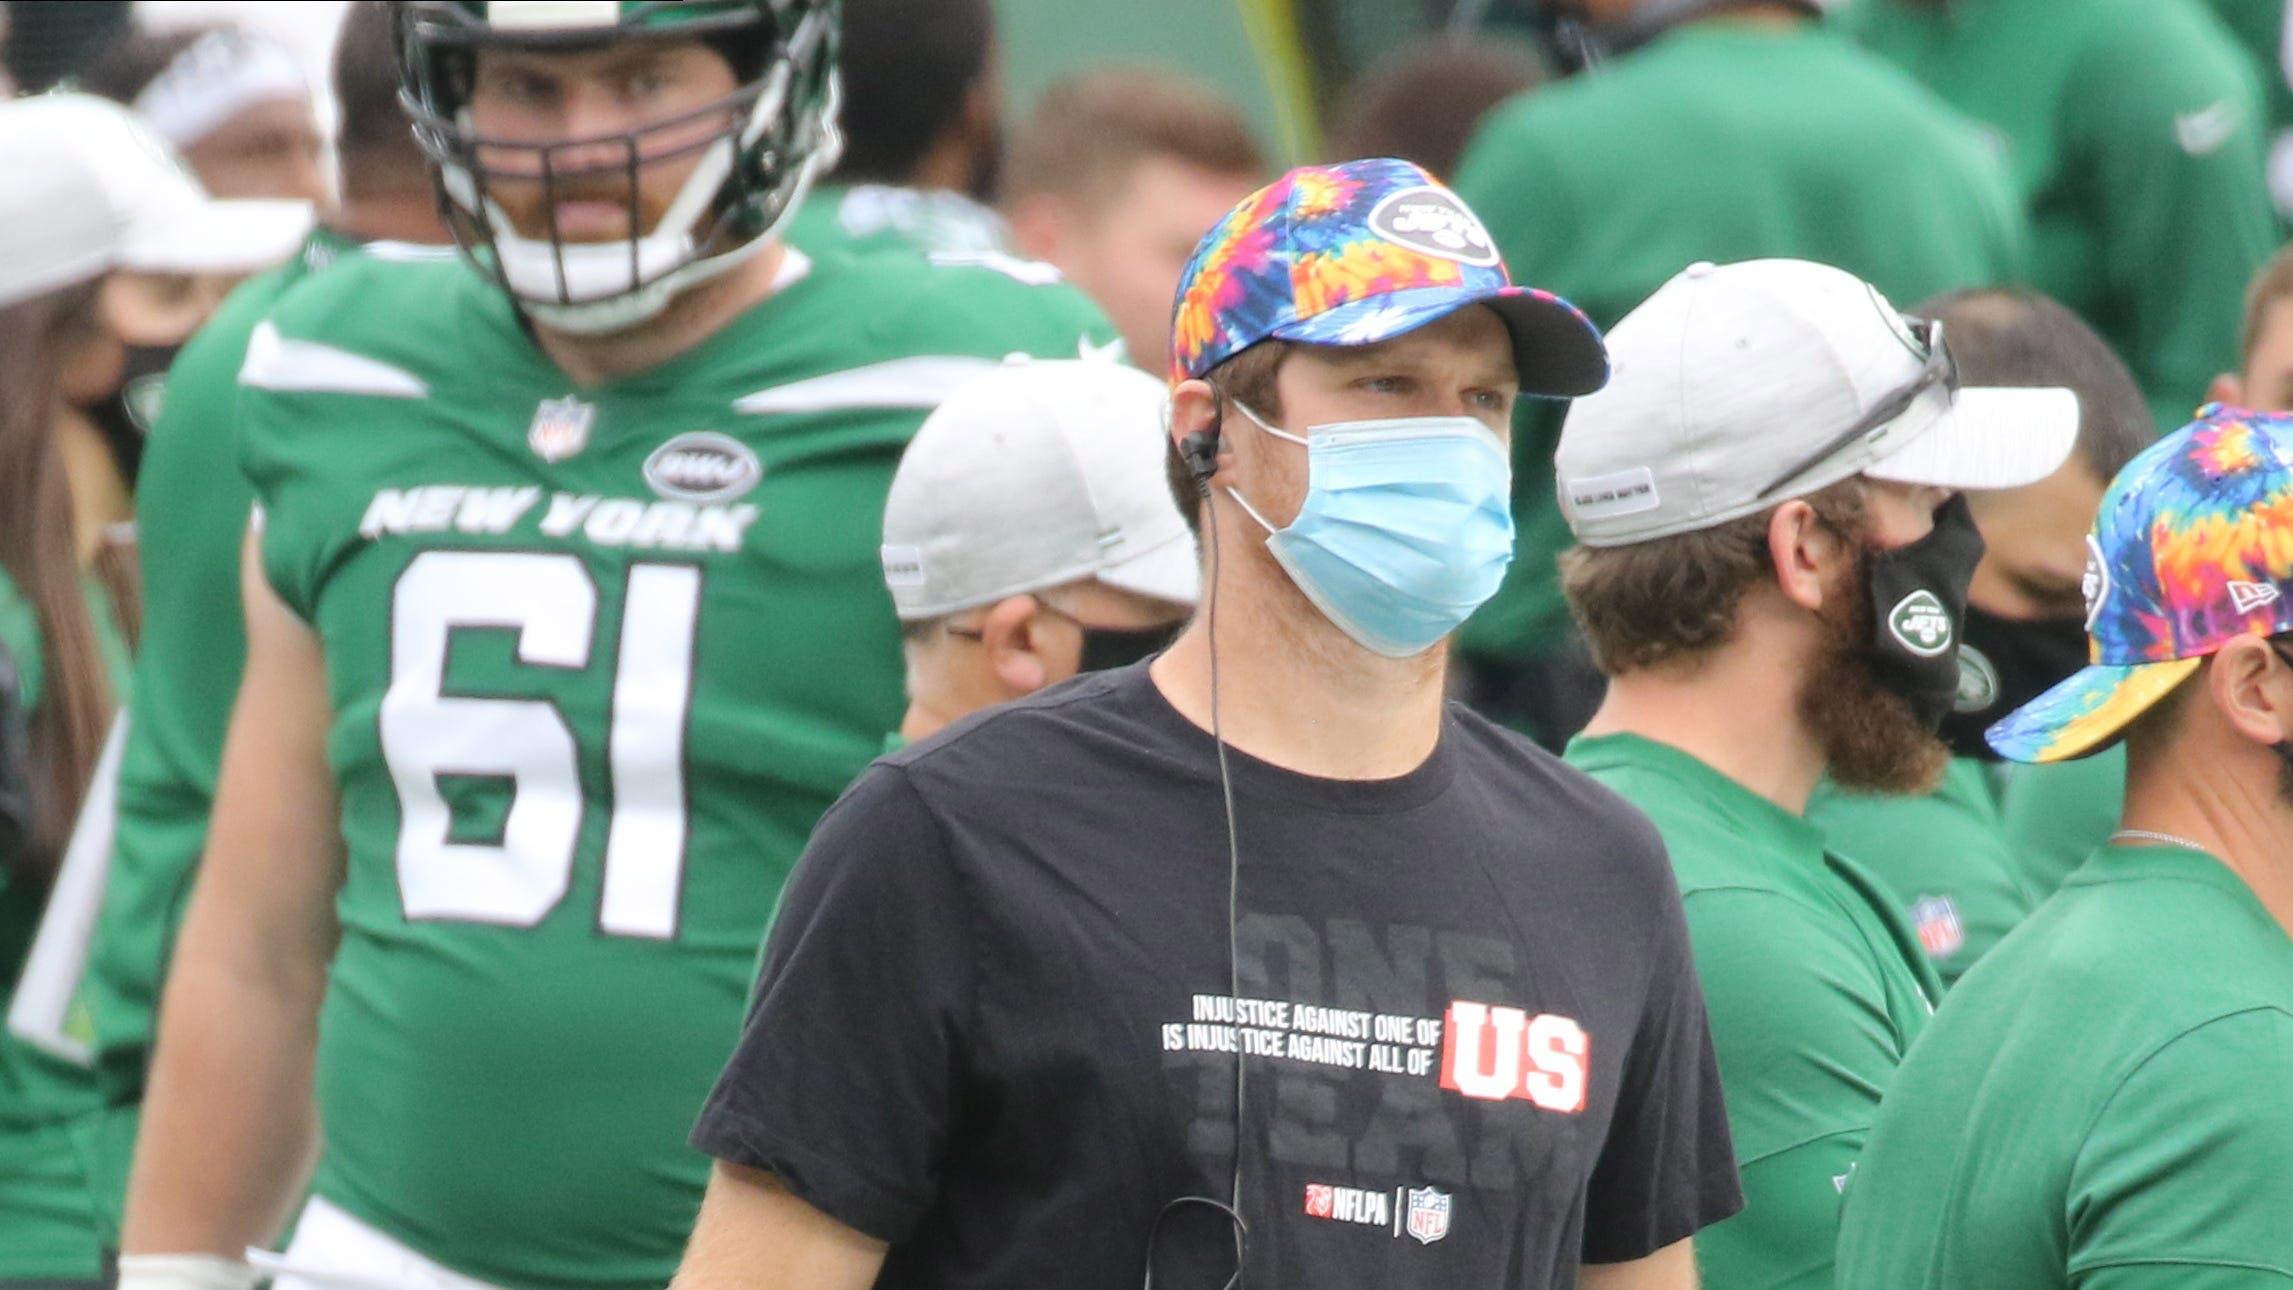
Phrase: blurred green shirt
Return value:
(1722, 141)
(2135, 133)
(1944, 855)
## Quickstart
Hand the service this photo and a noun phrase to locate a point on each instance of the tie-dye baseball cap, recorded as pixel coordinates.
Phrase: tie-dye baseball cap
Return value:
(2193, 548)
(1359, 253)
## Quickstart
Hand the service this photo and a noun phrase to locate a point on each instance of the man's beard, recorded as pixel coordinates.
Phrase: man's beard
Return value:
(1871, 740)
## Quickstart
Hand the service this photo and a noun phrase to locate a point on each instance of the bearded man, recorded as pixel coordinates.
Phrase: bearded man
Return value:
(1772, 572)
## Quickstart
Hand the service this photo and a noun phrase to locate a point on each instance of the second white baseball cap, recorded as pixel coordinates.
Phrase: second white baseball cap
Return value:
(1038, 474)
(90, 189)
(1739, 386)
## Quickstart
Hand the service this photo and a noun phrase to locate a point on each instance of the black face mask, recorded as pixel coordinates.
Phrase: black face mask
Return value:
(2004, 663)
(1918, 603)
(1107, 648)
(125, 417)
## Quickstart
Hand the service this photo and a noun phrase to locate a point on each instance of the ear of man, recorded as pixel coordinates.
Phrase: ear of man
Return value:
(1012, 634)
(2252, 688)
(1805, 552)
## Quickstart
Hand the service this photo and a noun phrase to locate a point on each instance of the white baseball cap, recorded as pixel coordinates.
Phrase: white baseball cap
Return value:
(1038, 474)
(91, 189)
(1739, 386)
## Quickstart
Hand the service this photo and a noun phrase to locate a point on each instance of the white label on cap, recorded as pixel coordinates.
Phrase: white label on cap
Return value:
(1432, 222)
(903, 566)
(1602, 497)
(2249, 596)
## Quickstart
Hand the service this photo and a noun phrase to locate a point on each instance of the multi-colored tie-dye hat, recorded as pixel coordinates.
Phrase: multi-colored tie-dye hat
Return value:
(1361, 253)
(2193, 549)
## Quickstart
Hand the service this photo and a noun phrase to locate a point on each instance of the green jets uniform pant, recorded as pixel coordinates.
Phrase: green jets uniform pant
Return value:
(1815, 987)
(598, 658)
(1721, 141)
(1945, 855)
(2135, 134)
(2102, 1104)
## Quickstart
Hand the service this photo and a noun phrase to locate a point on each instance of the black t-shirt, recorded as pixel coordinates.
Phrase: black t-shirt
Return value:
(994, 1028)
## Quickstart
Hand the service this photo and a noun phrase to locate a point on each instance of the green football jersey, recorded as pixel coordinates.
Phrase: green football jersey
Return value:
(597, 659)
(1816, 989)
(1945, 855)
(1723, 140)
(2100, 1104)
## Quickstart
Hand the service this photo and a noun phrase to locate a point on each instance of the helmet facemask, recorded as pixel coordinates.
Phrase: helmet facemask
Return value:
(777, 134)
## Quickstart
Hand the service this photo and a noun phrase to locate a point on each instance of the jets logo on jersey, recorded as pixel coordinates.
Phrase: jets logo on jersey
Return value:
(560, 428)
(703, 466)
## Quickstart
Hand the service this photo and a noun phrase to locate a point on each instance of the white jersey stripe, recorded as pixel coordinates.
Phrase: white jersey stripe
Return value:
(277, 363)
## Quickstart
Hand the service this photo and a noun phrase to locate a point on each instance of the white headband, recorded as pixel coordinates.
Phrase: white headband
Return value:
(220, 75)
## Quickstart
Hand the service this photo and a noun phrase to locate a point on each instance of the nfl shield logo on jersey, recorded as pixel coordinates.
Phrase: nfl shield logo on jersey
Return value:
(560, 428)
(1937, 918)
(1428, 1214)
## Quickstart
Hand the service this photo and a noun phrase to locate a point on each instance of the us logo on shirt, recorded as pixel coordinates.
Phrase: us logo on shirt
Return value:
(1493, 1053)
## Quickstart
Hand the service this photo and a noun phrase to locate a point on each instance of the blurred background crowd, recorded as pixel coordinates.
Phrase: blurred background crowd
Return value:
(2091, 194)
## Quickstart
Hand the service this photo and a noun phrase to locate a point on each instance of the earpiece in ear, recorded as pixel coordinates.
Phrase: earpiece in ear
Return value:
(1200, 453)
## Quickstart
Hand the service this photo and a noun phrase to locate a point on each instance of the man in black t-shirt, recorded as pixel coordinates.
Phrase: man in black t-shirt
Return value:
(1034, 973)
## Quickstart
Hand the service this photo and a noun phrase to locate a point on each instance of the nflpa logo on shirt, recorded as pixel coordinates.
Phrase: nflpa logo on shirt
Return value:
(1493, 1053)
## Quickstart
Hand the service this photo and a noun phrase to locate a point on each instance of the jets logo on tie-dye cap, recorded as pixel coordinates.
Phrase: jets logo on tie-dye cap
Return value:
(1360, 253)
(2192, 549)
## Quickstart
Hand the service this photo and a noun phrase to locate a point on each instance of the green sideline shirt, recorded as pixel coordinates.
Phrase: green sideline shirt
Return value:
(2056, 814)
(1722, 141)
(1945, 856)
(1815, 989)
(2102, 1104)
(2134, 131)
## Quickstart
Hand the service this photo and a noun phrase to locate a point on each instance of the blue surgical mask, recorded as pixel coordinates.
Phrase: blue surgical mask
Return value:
(1406, 529)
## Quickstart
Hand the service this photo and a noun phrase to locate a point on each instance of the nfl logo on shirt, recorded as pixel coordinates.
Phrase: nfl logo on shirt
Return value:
(1937, 919)
(1428, 1214)
(560, 428)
